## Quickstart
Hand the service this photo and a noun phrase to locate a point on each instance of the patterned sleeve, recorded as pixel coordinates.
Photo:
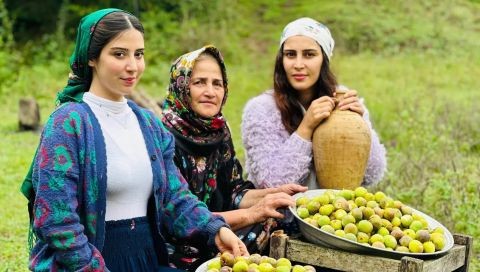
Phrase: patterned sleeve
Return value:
(240, 186)
(186, 215)
(62, 244)
(273, 156)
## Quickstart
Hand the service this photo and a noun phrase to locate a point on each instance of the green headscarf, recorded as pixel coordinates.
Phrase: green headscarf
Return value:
(78, 81)
(76, 86)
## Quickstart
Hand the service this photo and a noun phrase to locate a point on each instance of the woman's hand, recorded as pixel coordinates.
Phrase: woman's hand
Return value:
(319, 109)
(226, 240)
(292, 188)
(268, 207)
(351, 102)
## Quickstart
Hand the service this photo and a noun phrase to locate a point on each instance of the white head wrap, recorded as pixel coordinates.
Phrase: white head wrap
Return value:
(312, 29)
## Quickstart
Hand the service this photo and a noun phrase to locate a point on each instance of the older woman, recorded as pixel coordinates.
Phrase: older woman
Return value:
(205, 155)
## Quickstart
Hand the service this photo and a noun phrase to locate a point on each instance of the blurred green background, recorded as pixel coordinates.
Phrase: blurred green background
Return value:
(416, 63)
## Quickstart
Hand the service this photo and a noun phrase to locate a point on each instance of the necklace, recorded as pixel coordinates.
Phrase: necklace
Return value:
(121, 118)
(119, 112)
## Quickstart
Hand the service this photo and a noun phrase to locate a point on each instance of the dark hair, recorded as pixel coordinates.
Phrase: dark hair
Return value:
(286, 97)
(108, 28)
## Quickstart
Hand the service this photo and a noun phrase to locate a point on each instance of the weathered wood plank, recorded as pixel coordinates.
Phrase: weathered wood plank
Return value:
(409, 264)
(307, 253)
(457, 259)
(461, 239)
(454, 259)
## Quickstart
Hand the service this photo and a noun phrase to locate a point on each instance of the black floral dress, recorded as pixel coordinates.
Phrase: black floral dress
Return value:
(205, 155)
(229, 190)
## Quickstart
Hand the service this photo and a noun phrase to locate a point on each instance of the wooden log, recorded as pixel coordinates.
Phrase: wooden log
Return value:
(278, 244)
(409, 264)
(28, 114)
(467, 241)
(144, 100)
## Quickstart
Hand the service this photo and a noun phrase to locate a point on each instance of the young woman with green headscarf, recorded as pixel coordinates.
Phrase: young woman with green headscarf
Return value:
(205, 155)
(103, 188)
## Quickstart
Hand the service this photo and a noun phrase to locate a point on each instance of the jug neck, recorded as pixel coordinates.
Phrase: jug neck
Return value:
(339, 96)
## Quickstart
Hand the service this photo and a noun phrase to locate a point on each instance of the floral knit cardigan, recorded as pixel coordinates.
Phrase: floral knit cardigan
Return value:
(69, 179)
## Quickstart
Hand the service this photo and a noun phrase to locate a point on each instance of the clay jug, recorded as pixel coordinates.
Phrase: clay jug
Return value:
(341, 147)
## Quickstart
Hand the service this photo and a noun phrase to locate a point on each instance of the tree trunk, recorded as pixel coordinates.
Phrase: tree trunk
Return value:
(143, 100)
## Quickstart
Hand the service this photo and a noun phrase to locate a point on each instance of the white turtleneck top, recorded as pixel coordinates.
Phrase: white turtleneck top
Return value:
(129, 172)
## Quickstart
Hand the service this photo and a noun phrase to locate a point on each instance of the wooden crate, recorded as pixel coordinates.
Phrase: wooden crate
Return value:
(457, 258)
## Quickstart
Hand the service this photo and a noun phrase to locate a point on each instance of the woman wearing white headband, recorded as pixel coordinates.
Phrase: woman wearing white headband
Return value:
(277, 125)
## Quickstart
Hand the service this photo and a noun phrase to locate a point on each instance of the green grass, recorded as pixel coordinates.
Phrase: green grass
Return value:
(415, 63)
(14, 225)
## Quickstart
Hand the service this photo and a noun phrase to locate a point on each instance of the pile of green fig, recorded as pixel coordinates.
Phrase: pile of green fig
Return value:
(371, 219)
(254, 263)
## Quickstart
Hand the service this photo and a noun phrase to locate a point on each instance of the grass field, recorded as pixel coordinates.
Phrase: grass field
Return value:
(416, 65)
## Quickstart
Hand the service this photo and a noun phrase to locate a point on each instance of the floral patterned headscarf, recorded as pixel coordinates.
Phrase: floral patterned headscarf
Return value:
(202, 144)
(177, 110)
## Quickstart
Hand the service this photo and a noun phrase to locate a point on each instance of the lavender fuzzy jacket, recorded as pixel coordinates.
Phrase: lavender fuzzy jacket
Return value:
(275, 157)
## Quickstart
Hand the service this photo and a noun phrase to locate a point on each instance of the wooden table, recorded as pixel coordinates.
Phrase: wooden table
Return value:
(297, 250)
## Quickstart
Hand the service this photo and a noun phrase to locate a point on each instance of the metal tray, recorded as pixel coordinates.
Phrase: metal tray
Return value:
(323, 238)
(204, 266)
